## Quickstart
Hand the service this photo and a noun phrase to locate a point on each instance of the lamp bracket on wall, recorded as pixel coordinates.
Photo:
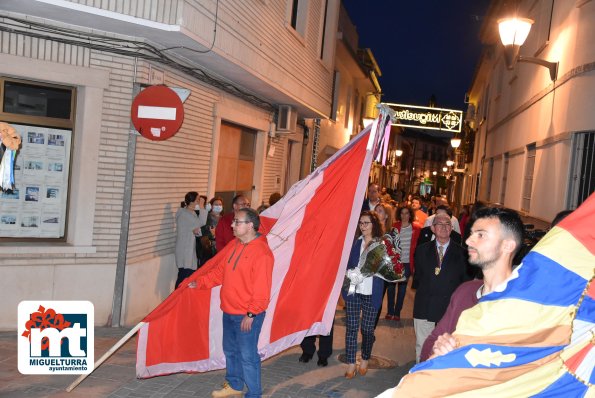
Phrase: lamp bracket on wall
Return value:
(552, 66)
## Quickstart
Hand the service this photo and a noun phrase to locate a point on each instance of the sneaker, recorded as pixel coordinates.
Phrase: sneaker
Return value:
(227, 391)
(396, 318)
(389, 317)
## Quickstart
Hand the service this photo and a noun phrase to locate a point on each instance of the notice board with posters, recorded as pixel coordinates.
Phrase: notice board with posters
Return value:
(36, 208)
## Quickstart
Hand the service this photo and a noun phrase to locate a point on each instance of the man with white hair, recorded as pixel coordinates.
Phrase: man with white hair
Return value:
(440, 267)
(440, 203)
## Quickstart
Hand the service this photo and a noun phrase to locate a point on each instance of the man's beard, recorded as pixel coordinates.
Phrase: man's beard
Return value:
(484, 264)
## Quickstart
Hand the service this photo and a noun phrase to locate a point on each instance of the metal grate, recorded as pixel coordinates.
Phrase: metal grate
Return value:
(583, 174)
(528, 178)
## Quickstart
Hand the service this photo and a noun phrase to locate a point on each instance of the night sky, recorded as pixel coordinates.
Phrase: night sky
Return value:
(423, 47)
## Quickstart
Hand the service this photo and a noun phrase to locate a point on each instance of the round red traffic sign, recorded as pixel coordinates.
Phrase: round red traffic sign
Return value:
(157, 113)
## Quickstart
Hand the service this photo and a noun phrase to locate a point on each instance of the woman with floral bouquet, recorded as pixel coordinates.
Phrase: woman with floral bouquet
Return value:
(369, 265)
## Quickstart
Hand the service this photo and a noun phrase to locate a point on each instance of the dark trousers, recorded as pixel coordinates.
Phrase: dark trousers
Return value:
(325, 345)
(400, 288)
(183, 273)
(359, 307)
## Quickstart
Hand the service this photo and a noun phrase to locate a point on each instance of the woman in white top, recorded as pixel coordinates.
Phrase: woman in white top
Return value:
(364, 298)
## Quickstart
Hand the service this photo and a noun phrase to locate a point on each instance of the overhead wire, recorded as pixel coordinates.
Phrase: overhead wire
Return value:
(127, 47)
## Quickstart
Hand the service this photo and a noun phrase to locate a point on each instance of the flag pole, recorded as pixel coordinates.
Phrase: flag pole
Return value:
(105, 356)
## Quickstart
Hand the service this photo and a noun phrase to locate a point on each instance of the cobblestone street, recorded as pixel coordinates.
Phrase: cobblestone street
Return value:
(282, 376)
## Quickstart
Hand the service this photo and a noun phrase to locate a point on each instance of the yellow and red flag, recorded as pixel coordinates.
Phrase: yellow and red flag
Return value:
(535, 338)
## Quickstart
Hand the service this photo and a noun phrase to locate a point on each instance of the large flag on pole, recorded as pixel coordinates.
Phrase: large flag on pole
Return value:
(534, 339)
(310, 232)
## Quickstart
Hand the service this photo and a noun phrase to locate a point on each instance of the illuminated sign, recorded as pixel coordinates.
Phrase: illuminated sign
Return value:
(422, 117)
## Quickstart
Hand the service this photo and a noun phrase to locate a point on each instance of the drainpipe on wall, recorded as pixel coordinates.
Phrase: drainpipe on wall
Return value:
(304, 153)
(315, 137)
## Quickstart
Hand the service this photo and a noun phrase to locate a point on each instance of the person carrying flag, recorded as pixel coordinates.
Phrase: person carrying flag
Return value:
(496, 237)
(244, 269)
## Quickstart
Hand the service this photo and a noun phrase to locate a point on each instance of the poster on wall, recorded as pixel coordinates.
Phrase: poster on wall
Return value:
(36, 208)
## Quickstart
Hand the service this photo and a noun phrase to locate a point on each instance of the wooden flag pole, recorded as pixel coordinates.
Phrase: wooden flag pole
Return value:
(108, 354)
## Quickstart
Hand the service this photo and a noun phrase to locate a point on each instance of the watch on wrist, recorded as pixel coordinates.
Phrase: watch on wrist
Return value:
(250, 315)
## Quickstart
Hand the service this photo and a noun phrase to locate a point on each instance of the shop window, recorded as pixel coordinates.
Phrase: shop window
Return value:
(43, 115)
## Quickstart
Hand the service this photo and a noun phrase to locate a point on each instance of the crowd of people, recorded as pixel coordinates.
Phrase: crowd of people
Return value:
(453, 262)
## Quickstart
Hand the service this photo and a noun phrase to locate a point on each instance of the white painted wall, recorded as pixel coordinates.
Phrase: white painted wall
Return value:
(526, 107)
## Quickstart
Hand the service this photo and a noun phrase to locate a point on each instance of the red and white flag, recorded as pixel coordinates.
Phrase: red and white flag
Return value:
(310, 232)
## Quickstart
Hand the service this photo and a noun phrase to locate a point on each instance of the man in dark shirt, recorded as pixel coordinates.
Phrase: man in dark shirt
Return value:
(496, 236)
(373, 198)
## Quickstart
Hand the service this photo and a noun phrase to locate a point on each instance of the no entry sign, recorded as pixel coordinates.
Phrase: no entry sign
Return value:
(157, 113)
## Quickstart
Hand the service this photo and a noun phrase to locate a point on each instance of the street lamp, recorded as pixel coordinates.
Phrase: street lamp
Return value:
(513, 33)
(450, 163)
(398, 152)
(455, 141)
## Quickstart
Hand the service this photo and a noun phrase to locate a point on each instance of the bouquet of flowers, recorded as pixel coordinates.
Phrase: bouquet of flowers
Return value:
(392, 241)
(382, 259)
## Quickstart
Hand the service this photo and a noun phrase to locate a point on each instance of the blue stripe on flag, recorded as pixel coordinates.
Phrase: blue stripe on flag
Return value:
(458, 359)
(565, 386)
(586, 311)
(542, 281)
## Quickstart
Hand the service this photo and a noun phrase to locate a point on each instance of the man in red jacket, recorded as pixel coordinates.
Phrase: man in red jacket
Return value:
(224, 232)
(244, 270)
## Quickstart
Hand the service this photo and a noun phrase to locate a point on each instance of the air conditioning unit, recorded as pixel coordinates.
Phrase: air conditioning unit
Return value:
(287, 118)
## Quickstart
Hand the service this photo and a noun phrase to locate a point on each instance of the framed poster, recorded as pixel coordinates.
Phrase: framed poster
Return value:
(36, 208)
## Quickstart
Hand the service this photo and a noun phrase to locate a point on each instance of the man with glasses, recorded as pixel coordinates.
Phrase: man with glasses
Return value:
(373, 198)
(426, 233)
(440, 267)
(244, 270)
(224, 231)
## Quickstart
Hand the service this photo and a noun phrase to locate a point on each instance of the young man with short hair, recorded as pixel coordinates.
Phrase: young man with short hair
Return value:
(496, 236)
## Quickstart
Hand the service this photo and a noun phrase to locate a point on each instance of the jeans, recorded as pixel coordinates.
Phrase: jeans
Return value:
(241, 354)
(401, 289)
(183, 273)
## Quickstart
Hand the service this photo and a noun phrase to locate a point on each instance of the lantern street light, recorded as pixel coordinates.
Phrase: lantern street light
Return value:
(513, 33)
(455, 142)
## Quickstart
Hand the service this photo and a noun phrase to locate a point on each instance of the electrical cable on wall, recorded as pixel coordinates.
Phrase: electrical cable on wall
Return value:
(125, 47)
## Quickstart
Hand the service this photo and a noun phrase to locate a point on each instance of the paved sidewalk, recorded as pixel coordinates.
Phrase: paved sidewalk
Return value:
(282, 376)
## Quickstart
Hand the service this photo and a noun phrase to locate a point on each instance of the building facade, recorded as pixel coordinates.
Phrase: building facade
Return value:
(69, 72)
(356, 92)
(534, 136)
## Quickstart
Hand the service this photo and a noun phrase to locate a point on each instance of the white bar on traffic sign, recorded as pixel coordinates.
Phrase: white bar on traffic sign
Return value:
(156, 112)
